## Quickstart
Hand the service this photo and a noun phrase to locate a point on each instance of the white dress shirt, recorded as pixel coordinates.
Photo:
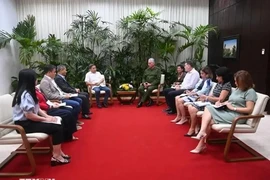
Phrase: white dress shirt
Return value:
(94, 78)
(191, 79)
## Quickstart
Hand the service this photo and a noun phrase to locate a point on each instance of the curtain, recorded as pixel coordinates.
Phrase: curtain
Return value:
(55, 16)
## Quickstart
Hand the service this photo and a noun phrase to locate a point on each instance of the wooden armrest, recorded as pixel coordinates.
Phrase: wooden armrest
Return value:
(246, 117)
(89, 87)
(21, 131)
(109, 85)
(160, 86)
(234, 122)
(15, 127)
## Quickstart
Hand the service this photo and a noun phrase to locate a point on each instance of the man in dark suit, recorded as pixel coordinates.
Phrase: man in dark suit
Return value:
(82, 98)
(53, 92)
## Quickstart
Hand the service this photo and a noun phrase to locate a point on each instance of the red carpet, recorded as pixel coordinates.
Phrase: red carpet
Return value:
(126, 143)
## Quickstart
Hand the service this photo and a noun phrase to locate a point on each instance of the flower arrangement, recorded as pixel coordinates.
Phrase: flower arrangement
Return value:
(126, 87)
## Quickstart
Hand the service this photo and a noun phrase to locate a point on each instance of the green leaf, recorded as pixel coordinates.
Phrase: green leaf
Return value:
(5, 38)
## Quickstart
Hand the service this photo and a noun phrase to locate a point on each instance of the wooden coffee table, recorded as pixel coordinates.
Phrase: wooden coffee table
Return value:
(126, 97)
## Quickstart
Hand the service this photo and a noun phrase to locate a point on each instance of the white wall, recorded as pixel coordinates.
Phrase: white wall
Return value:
(9, 64)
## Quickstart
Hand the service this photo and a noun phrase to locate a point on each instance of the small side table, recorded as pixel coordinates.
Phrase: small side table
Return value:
(126, 97)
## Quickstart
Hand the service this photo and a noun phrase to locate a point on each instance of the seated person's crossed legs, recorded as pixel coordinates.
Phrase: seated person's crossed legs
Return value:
(165, 93)
(83, 100)
(75, 107)
(181, 111)
(171, 100)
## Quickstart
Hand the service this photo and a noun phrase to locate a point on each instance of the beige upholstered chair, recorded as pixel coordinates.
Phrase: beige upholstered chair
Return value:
(156, 92)
(250, 126)
(8, 136)
(102, 93)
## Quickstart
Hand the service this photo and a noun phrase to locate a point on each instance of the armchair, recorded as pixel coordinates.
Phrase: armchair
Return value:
(156, 92)
(250, 126)
(8, 136)
(92, 92)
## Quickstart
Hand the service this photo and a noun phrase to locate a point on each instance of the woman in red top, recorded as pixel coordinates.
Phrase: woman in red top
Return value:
(68, 121)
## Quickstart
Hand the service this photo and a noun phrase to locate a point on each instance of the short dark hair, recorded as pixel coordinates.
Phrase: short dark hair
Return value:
(181, 66)
(60, 67)
(244, 80)
(225, 73)
(91, 65)
(49, 68)
(190, 63)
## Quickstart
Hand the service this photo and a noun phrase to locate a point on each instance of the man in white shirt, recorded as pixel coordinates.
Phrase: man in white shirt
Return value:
(190, 80)
(97, 82)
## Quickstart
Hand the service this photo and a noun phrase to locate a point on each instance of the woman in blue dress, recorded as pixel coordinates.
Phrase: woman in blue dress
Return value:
(241, 102)
(26, 113)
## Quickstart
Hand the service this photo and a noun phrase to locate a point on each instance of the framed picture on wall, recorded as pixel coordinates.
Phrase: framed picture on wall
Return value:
(231, 47)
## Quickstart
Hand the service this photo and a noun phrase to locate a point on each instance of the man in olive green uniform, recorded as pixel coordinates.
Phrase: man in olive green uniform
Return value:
(151, 79)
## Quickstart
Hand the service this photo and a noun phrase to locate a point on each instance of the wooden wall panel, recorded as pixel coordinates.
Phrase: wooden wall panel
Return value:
(251, 20)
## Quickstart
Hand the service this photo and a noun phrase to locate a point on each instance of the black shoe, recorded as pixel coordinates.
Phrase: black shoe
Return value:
(167, 110)
(171, 112)
(139, 105)
(56, 162)
(190, 135)
(85, 116)
(150, 103)
(105, 105)
(66, 157)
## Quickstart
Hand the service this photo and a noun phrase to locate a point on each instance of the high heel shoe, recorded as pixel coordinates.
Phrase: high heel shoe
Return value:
(198, 150)
(182, 121)
(197, 129)
(56, 162)
(175, 120)
(199, 136)
(66, 156)
(190, 135)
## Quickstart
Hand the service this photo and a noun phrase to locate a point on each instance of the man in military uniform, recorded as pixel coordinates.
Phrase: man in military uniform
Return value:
(151, 79)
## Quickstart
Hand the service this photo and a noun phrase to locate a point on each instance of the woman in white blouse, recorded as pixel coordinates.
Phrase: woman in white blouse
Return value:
(26, 113)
